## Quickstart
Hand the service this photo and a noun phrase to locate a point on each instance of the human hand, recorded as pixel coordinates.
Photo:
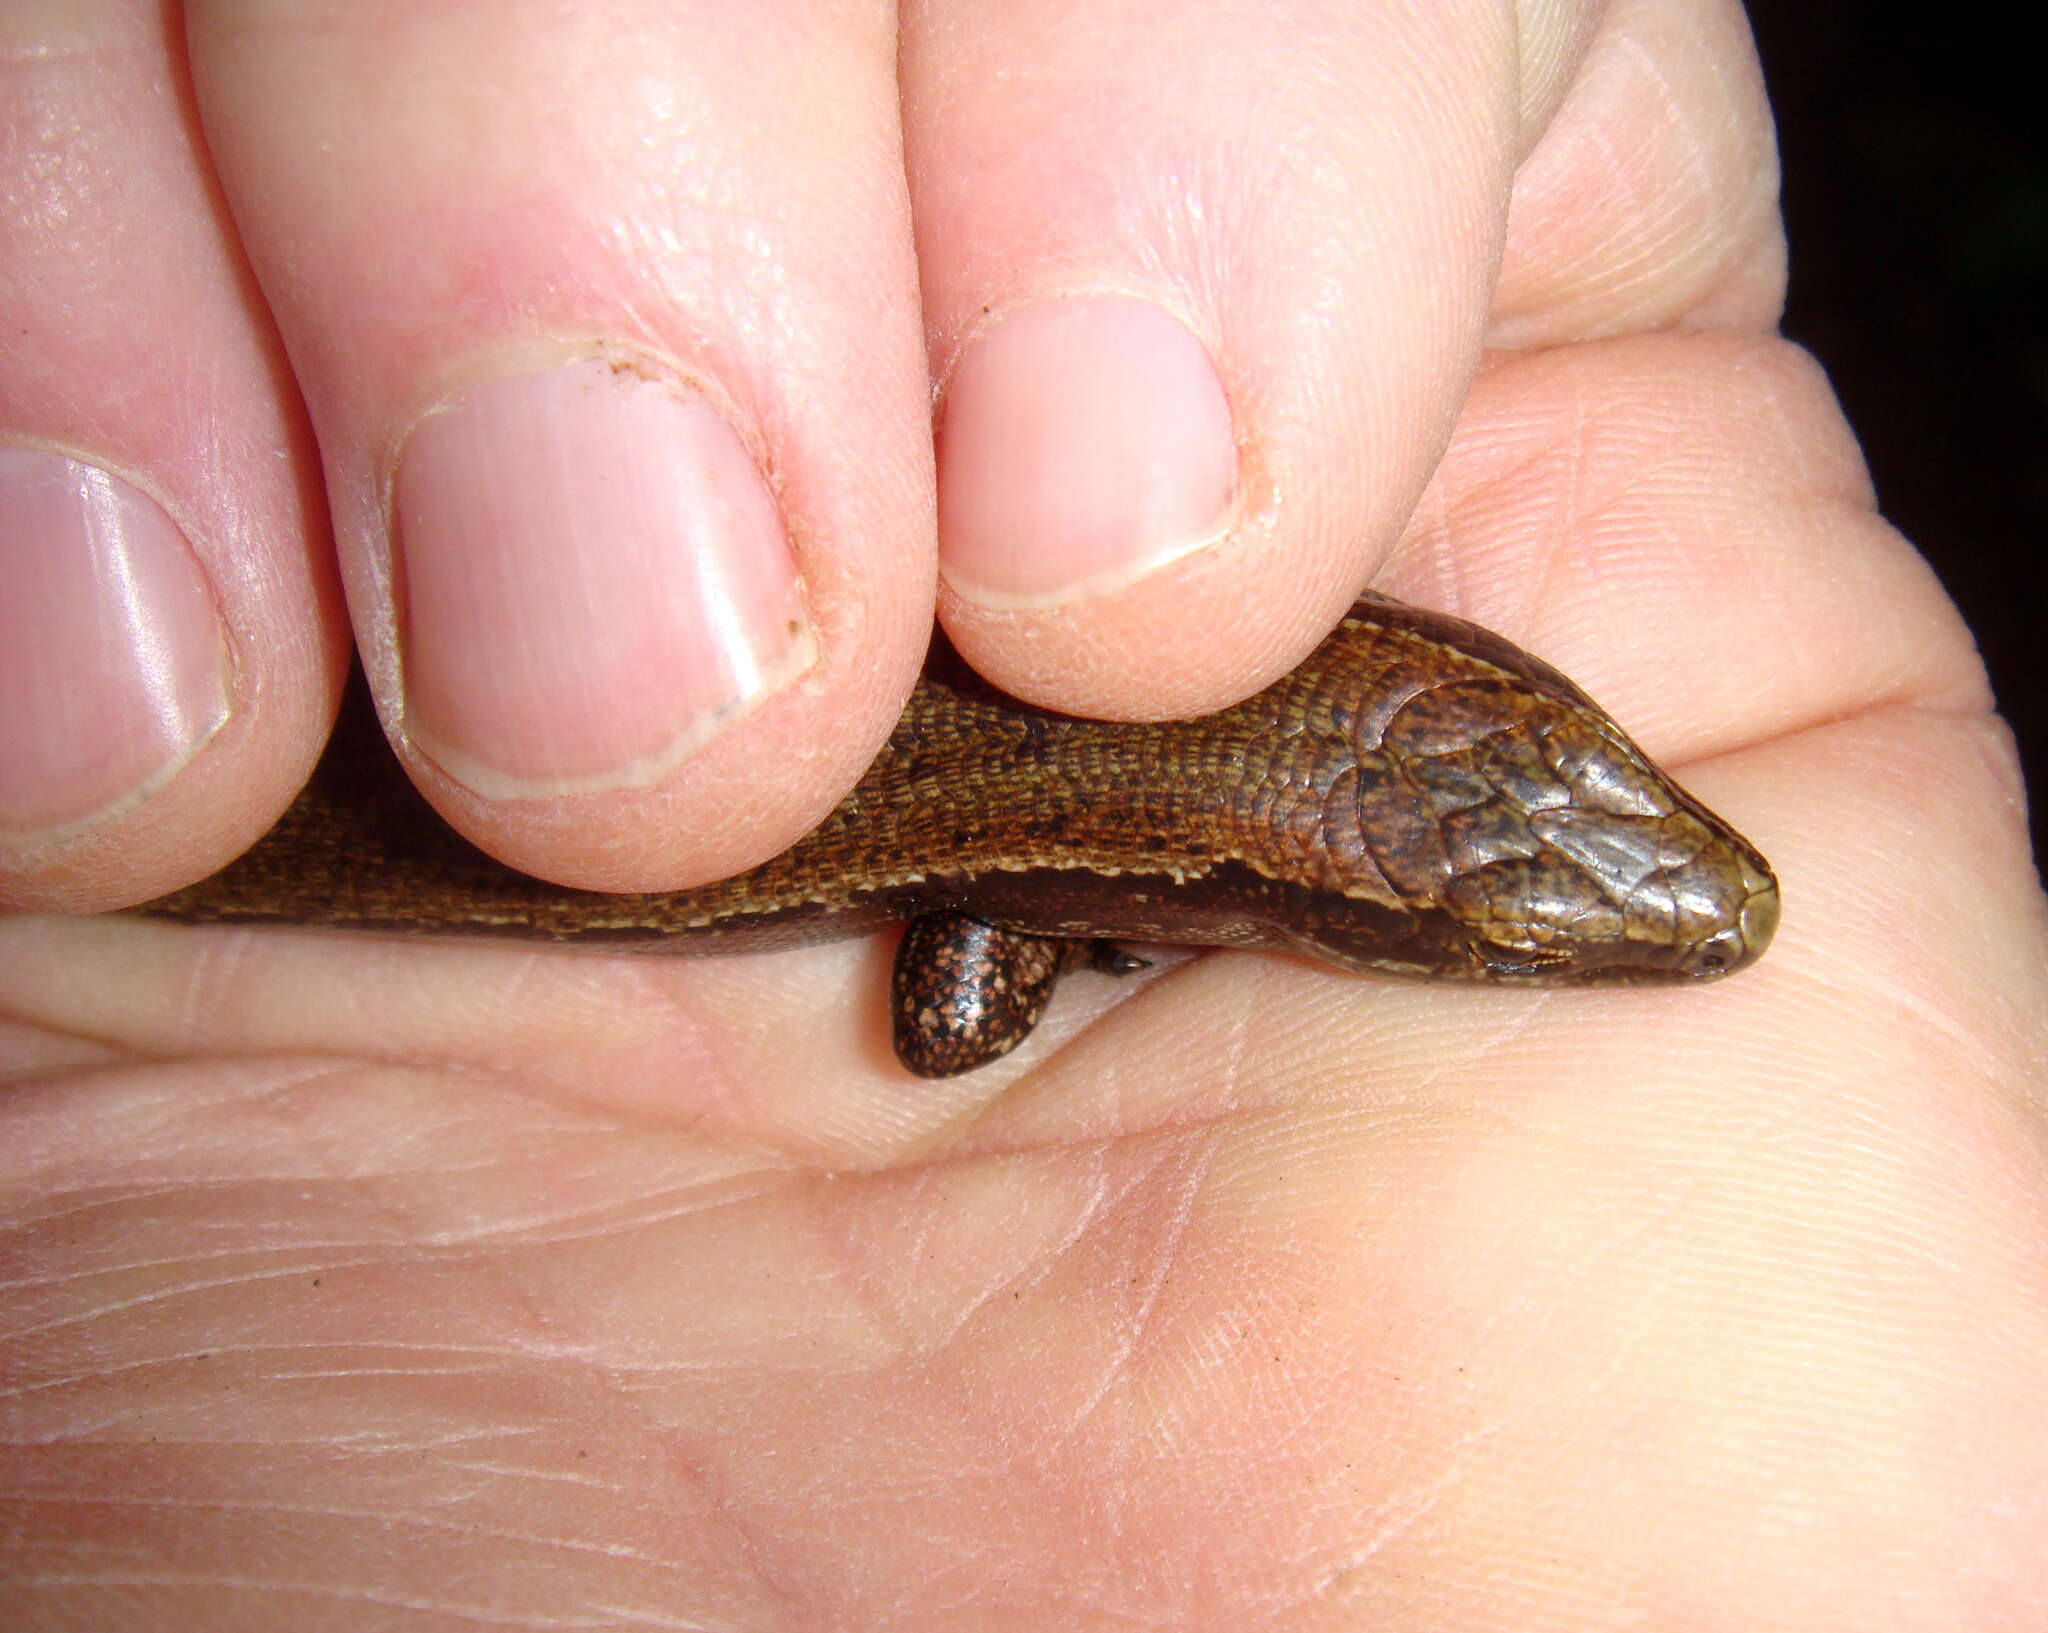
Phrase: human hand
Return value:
(371, 1283)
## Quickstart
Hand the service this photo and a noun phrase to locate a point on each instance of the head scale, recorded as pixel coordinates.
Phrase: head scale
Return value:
(1500, 826)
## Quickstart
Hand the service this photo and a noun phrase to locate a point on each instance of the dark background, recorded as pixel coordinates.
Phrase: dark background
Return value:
(1916, 202)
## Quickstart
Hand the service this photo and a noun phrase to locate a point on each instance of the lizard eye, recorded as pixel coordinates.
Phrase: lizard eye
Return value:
(1511, 963)
(1720, 952)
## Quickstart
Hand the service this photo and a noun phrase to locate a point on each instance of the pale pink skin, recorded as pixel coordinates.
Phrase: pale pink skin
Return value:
(112, 659)
(362, 1283)
(595, 582)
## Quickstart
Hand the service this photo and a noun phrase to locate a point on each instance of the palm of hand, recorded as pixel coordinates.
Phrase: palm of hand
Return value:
(1258, 1288)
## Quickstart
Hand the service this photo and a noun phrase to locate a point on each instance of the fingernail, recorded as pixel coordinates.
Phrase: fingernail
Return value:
(1083, 443)
(594, 582)
(112, 659)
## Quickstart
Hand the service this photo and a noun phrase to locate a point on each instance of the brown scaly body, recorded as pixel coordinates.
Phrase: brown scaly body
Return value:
(1419, 798)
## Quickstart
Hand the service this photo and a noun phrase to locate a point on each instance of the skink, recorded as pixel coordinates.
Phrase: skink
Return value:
(1418, 798)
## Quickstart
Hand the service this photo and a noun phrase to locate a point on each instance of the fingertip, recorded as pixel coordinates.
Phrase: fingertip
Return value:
(1172, 646)
(1096, 523)
(1193, 381)
(171, 644)
(113, 656)
(1084, 442)
(624, 413)
(156, 726)
(613, 669)
(595, 581)
(625, 655)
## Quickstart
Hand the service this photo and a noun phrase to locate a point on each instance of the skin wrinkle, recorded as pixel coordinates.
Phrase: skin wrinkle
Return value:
(1657, 1220)
(126, 1267)
(887, 1316)
(292, 1273)
(1662, 232)
(1550, 551)
(119, 1054)
(1636, 1338)
(1695, 173)
(1735, 257)
(1104, 1207)
(172, 1115)
(1406, 1508)
(1220, 1117)
(552, 1477)
(1763, 175)
(482, 1615)
(95, 1201)
(1237, 1043)
(48, 1056)
(1050, 1065)
(882, 1317)
(1133, 1327)
(1942, 1029)
(173, 1296)
(420, 1522)
(1848, 481)
(685, 1208)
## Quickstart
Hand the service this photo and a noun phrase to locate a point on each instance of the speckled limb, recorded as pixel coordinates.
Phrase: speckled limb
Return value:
(963, 993)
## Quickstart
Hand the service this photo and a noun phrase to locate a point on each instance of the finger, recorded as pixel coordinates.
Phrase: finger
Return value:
(171, 642)
(1652, 196)
(606, 320)
(1195, 362)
